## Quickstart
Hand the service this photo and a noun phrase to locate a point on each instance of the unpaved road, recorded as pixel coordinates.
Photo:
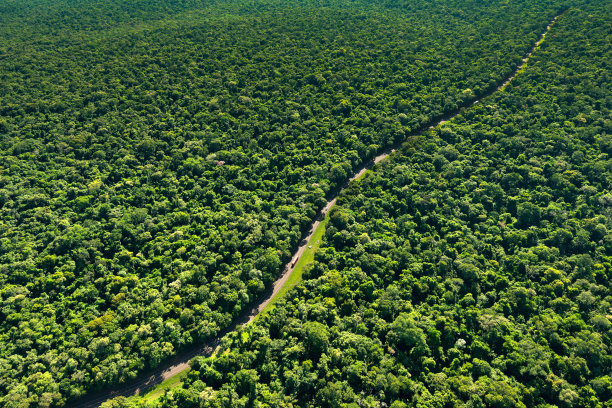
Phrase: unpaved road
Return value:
(181, 362)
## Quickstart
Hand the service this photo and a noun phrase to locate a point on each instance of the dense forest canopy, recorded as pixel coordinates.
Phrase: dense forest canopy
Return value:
(161, 161)
(471, 270)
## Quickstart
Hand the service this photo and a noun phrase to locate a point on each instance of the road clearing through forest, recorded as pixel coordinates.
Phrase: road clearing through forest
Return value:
(180, 363)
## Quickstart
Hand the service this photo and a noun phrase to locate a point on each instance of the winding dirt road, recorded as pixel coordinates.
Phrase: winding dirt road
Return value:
(181, 362)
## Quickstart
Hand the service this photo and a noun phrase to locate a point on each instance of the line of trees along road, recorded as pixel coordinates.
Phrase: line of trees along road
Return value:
(471, 270)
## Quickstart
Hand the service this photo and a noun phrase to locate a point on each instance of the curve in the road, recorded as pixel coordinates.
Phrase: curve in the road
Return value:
(181, 361)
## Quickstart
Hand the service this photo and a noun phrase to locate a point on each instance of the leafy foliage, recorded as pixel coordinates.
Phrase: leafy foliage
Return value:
(471, 270)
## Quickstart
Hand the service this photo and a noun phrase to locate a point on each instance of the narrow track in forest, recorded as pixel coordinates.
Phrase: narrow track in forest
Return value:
(180, 362)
